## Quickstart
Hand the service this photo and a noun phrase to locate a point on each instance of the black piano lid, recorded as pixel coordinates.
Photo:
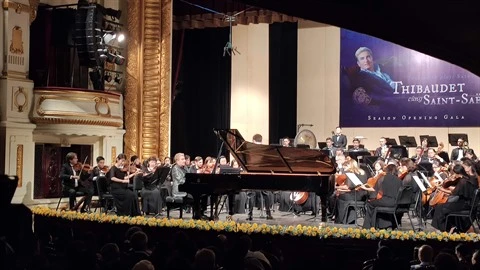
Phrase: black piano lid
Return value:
(259, 158)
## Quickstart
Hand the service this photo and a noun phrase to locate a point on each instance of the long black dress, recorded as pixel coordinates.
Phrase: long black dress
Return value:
(342, 214)
(388, 186)
(464, 192)
(151, 193)
(126, 201)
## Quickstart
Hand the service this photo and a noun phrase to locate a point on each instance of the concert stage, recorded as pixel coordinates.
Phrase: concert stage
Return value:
(304, 242)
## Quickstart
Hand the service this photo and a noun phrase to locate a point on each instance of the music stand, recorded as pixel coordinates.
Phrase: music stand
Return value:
(408, 141)
(322, 145)
(304, 146)
(391, 141)
(355, 155)
(227, 169)
(426, 167)
(453, 138)
(398, 151)
(431, 140)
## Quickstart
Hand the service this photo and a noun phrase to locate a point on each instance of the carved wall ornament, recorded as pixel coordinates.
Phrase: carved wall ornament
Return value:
(101, 106)
(16, 44)
(31, 8)
(20, 99)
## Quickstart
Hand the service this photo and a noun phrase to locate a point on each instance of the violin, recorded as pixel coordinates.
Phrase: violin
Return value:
(340, 179)
(79, 167)
(402, 175)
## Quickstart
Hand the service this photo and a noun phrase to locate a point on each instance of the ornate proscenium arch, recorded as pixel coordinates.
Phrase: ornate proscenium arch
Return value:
(147, 94)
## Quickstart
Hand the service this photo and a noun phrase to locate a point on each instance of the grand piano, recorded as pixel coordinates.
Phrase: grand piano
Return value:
(264, 167)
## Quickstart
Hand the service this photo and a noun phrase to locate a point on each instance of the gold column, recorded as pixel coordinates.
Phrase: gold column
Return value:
(19, 167)
(147, 94)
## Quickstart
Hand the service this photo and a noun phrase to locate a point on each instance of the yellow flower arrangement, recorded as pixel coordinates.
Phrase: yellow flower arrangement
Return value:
(322, 231)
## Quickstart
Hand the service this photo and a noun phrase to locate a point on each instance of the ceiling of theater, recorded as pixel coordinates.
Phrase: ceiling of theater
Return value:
(446, 29)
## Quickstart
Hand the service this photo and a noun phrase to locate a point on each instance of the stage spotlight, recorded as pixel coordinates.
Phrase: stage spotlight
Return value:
(119, 60)
(109, 38)
(120, 37)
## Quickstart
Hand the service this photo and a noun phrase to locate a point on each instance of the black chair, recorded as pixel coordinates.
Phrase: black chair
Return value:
(402, 205)
(137, 185)
(66, 195)
(469, 213)
(104, 195)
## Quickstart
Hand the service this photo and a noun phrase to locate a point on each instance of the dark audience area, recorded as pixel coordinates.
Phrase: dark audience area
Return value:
(62, 244)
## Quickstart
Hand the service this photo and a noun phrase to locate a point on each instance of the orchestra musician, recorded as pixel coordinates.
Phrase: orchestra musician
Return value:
(98, 171)
(382, 150)
(356, 146)
(150, 191)
(339, 140)
(461, 192)
(330, 147)
(72, 183)
(419, 154)
(346, 194)
(286, 142)
(198, 165)
(459, 152)
(383, 194)
(126, 201)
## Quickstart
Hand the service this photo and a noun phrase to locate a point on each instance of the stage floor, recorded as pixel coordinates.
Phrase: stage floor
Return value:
(289, 218)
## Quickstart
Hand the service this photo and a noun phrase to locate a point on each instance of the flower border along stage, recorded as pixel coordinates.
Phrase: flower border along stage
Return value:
(321, 231)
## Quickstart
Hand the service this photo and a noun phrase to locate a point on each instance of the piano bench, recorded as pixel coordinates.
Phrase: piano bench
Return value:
(173, 202)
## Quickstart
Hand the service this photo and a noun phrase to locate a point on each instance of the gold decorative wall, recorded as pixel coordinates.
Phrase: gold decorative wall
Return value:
(19, 165)
(147, 93)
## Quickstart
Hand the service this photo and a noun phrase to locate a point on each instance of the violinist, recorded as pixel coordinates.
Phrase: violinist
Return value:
(125, 199)
(408, 170)
(461, 190)
(71, 182)
(197, 166)
(346, 194)
(98, 171)
(383, 194)
(150, 190)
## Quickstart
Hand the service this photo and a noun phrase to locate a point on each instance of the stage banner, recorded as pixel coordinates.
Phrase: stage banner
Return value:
(386, 85)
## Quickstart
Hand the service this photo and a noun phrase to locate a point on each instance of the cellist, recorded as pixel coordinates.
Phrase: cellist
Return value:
(459, 199)
(384, 193)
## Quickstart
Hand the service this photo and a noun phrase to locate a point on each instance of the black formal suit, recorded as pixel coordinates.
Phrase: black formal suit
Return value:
(455, 153)
(70, 188)
(339, 141)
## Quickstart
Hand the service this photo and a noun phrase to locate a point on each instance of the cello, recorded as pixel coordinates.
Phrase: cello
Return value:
(440, 196)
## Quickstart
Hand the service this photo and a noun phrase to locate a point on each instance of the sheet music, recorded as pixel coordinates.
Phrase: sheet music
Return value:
(437, 175)
(419, 183)
(426, 180)
(355, 180)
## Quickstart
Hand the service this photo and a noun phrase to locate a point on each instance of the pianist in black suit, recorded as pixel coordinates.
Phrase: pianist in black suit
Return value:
(266, 195)
(71, 182)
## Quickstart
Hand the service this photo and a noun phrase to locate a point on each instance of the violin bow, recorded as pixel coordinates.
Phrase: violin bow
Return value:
(83, 165)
